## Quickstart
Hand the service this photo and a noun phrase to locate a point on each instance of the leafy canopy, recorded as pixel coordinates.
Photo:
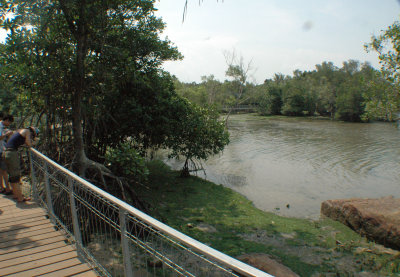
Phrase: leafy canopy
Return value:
(93, 70)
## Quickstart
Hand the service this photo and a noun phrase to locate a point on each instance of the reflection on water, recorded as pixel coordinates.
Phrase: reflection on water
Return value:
(302, 162)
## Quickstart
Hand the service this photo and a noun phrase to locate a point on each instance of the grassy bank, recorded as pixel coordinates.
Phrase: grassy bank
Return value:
(227, 221)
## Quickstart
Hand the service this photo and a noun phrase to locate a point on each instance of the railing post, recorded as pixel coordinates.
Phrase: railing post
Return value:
(125, 243)
(75, 221)
(33, 177)
(48, 191)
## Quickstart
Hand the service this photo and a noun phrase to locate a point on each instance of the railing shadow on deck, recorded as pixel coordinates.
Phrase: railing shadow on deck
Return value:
(115, 238)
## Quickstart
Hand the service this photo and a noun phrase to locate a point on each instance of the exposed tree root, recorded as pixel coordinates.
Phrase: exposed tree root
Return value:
(102, 176)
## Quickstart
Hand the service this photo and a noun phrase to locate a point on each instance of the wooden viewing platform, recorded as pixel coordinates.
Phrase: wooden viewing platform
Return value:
(30, 245)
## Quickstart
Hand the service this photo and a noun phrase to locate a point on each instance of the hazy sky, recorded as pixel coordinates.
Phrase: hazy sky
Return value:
(277, 35)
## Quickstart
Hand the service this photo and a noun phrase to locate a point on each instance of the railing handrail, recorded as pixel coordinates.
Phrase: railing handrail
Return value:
(232, 263)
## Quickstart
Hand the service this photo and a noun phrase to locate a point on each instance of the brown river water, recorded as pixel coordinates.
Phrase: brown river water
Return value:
(290, 165)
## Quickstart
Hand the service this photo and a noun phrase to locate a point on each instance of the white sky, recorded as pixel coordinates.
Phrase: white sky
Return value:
(277, 35)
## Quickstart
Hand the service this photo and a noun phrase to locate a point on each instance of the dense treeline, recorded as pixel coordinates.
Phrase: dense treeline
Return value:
(355, 92)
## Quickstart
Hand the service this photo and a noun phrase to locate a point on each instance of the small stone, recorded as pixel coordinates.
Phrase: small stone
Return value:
(206, 228)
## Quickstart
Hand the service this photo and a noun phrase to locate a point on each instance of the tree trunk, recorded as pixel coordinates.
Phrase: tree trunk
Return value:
(80, 155)
(185, 170)
(80, 158)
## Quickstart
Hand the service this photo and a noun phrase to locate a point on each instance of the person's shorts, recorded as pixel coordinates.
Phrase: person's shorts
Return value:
(2, 162)
(11, 157)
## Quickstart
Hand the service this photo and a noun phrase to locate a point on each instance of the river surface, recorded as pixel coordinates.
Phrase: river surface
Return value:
(290, 165)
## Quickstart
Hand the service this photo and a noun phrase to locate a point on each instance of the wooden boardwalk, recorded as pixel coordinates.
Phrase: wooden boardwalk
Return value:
(31, 246)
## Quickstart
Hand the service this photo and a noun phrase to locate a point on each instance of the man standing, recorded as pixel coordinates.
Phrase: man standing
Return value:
(4, 133)
(20, 137)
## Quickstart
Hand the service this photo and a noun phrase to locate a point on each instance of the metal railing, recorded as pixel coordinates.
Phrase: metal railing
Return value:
(117, 239)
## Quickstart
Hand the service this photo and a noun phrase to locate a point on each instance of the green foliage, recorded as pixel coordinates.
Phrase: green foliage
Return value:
(142, 109)
(126, 161)
(350, 100)
(237, 72)
(354, 92)
(100, 60)
(8, 97)
(270, 102)
(93, 68)
(293, 102)
(195, 93)
(387, 44)
(211, 88)
(293, 105)
(384, 97)
(199, 134)
(349, 106)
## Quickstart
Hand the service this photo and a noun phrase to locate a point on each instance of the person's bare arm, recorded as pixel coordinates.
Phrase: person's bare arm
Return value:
(6, 133)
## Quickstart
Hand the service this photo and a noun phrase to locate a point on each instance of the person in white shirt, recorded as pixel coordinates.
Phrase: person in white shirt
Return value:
(4, 133)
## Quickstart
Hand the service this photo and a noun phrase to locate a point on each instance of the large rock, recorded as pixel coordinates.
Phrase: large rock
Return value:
(265, 263)
(377, 219)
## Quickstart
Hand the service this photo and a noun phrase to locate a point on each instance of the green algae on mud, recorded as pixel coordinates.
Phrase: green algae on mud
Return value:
(228, 222)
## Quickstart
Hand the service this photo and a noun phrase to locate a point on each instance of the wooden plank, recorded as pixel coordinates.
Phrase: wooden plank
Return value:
(13, 212)
(40, 263)
(22, 214)
(18, 236)
(5, 202)
(31, 245)
(14, 205)
(34, 250)
(27, 240)
(19, 232)
(8, 208)
(88, 274)
(47, 269)
(14, 219)
(36, 256)
(72, 271)
(8, 234)
(25, 225)
(21, 221)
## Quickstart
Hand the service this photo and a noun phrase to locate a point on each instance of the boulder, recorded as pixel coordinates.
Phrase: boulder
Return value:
(377, 219)
(265, 263)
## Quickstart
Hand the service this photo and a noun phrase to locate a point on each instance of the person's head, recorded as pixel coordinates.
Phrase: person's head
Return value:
(7, 120)
(34, 131)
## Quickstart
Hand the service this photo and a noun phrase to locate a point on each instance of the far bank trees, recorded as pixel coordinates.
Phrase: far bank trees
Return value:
(354, 92)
